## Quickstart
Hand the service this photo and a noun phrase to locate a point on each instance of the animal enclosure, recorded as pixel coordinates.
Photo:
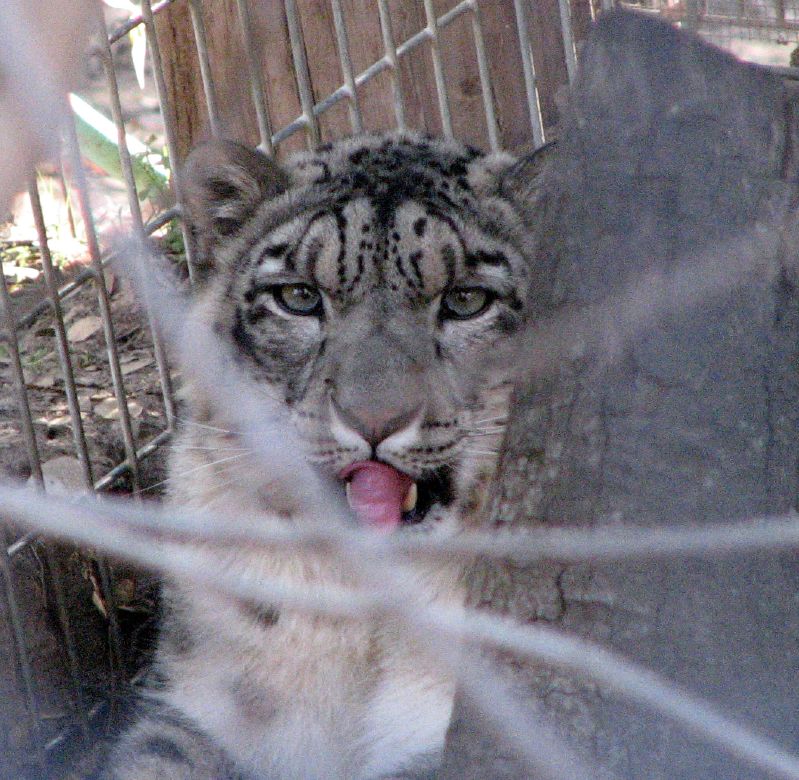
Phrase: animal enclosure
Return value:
(282, 76)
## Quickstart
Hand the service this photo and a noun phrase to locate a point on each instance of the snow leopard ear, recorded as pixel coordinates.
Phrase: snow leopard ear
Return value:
(224, 183)
(521, 183)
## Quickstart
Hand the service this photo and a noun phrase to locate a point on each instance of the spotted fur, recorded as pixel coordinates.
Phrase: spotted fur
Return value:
(384, 229)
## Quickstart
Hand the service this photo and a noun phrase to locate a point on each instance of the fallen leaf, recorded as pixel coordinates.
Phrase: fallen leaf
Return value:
(19, 273)
(109, 409)
(44, 381)
(136, 365)
(59, 423)
(84, 328)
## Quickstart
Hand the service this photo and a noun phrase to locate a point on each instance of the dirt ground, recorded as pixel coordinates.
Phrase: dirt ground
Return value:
(31, 575)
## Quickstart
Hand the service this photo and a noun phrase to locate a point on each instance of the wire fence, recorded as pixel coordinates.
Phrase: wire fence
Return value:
(723, 20)
(128, 530)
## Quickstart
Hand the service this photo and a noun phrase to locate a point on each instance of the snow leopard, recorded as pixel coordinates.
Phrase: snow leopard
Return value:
(371, 286)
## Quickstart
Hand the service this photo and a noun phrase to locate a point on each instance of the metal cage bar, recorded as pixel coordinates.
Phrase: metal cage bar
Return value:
(301, 73)
(201, 45)
(132, 461)
(62, 345)
(569, 50)
(257, 85)
(376, 68)
(15, 619)
(391, 61)
(353, 105)
(164, 377)
(67, 640)
(22, 654)
(84, 205)
(485, 78)
(135, 21)
(531, 88)
(438, 69)
(170, 130)
(79, 439)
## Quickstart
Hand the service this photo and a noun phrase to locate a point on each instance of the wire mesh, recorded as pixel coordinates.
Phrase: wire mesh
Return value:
(773, 21)
(726, 21)
(58, 297)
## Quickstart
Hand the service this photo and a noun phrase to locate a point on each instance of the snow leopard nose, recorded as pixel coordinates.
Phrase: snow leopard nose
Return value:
(374, 423)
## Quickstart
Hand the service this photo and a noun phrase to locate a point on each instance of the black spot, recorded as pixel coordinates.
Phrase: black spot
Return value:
(515, 303)
(448, 256)
(457, 168)
(264, 614)
(255, 290)
(414, 259)
(506, 323)
(395, 236)
(257, 313)
(487, 258)
(325, 170)
(221, 189)
(226, 226)
(357, 156)
(312, 255)
(463, 183)
(243, 339)
(419, 226)
(366, 227)
(400, 269)
(164, 748)
(324, 148)
(276, 250)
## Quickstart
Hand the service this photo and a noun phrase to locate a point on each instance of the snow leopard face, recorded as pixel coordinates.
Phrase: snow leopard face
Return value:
(371, 285)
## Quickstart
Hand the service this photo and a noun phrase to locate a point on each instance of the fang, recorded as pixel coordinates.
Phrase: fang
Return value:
(409, 502)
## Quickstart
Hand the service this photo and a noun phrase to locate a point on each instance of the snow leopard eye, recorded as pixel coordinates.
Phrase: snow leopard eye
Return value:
(463, 303)
(301, 299)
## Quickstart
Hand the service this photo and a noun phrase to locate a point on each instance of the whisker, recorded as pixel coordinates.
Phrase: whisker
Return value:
(187, 421)
(191, 447)
(193, 470)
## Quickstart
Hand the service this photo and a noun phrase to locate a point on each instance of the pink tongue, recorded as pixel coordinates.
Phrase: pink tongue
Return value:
(376, 493)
